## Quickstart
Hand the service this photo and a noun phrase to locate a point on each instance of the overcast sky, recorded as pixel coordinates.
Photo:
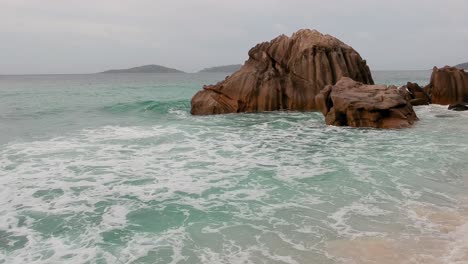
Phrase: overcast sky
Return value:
(57, 36)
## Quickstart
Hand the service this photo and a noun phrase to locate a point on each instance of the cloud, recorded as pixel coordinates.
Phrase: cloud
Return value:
(87, 36)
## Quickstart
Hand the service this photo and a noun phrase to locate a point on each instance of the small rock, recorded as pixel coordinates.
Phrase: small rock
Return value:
(458, 107)
(415, 94)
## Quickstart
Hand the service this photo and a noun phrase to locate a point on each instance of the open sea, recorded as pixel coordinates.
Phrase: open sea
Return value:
(106, 168)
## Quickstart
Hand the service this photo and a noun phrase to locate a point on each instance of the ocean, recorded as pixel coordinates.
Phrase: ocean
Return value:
(112, 168)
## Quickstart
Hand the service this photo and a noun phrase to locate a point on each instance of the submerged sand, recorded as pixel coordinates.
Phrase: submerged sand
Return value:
(447, 243)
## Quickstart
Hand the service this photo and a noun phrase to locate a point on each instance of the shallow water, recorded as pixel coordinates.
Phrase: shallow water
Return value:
(114, 169)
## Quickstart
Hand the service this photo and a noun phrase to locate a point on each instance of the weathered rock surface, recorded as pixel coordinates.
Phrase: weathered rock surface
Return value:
(415, 94)
(449, 85)
(351, 103)
(283, 74)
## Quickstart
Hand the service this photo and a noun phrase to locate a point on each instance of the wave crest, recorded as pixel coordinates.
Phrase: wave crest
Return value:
(148, 106)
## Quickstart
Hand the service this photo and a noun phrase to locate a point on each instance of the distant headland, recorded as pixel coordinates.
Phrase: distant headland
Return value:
(462, 66)
(224, 68)
(146, 69)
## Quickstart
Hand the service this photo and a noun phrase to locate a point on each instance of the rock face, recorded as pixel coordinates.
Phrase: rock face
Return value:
(283, 74)
(350, 103)
(449, 85)
(415, 94)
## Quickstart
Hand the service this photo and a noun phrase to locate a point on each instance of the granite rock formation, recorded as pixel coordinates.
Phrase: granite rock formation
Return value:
(415, 94)
(449, 85)
(283, 74)
(351, 103)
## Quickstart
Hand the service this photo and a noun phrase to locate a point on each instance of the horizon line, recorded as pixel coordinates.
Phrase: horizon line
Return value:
(92, 73)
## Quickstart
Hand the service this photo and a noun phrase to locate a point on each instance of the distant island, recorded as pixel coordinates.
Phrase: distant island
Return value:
(224, 68)
(145, 69)
(463, 66)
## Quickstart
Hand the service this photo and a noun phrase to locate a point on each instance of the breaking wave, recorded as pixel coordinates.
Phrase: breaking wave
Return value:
(149, 106)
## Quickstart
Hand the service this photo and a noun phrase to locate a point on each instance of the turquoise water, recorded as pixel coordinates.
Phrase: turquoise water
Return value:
(114, 169)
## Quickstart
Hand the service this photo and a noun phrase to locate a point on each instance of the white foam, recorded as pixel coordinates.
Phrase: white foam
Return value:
(279, 177)
(458, 248)
(341, 219)
(115, 217)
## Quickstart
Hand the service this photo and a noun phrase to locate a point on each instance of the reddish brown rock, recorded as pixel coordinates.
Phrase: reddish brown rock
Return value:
(449, 85)
(351, 103)
(283, 74)
(415, 94)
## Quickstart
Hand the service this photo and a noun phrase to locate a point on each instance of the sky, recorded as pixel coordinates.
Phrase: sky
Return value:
(56, 36)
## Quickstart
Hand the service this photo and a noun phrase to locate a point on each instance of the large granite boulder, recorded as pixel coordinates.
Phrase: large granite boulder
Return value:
(283, 74)
(449, 85)
(351, 103)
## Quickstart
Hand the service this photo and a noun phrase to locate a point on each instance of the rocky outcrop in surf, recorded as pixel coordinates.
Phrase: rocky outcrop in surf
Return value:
(458, 107)
(351, 103)
(283, 74)
(415, 94)
(449, 85)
